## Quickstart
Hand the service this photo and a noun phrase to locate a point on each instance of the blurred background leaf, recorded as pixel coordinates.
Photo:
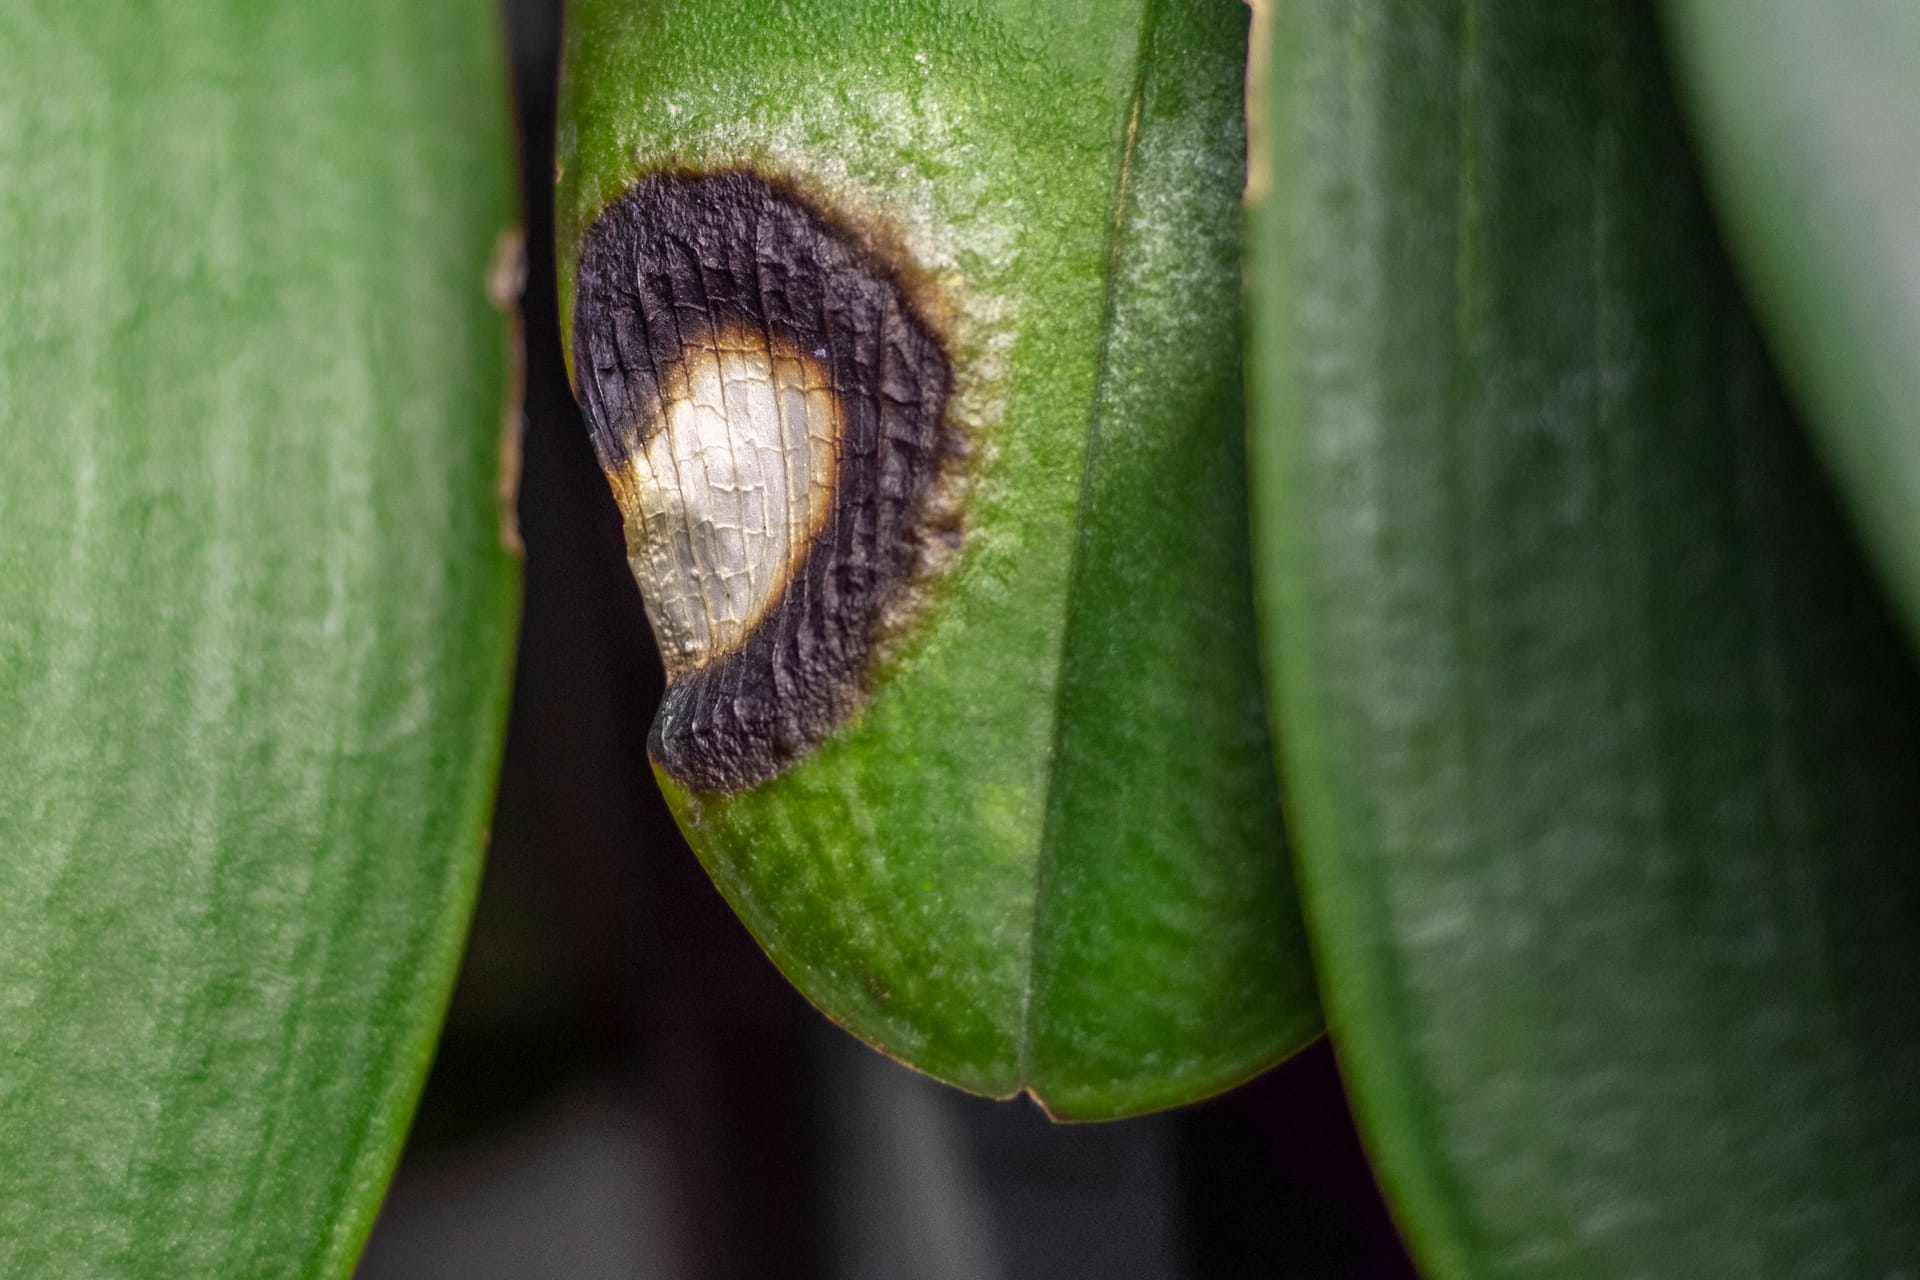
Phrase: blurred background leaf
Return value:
(1048, 854)
(1806, 116)
(256, 612)
(1602, 746)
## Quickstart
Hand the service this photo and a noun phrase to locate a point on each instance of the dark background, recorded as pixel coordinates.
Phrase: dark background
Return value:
(628, 1088)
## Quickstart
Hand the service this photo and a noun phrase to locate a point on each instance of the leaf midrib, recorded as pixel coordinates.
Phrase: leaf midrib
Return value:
(1117, 224)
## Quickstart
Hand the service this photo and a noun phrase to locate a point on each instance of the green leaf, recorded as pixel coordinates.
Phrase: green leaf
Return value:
(1807, 113)
(1036, 845)
(1601, 748)
(256, 617)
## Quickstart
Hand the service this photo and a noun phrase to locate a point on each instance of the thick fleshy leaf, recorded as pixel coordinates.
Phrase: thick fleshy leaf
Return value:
(1602, 750)
(1807, 116)
(255, 612)
(987, 777)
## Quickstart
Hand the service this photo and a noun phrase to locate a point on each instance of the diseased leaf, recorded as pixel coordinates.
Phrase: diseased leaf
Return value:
(1807, 116)
(255, 612)
(969, 733)
(1601, 748)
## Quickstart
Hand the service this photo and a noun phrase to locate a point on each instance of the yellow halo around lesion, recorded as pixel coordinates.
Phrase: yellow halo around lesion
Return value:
(732, 483)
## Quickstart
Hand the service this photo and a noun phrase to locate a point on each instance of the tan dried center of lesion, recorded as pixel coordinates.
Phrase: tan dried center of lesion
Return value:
(733, 483)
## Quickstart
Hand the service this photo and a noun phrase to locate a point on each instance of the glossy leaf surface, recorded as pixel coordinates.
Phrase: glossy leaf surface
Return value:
(1046, 852)
(256, 616)
(1601, 746)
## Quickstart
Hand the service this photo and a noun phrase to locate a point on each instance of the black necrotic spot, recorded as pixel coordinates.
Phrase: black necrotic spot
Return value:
(673, 263)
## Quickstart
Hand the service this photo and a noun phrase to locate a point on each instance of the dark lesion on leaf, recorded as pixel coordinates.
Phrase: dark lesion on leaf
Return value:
(677, 268)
